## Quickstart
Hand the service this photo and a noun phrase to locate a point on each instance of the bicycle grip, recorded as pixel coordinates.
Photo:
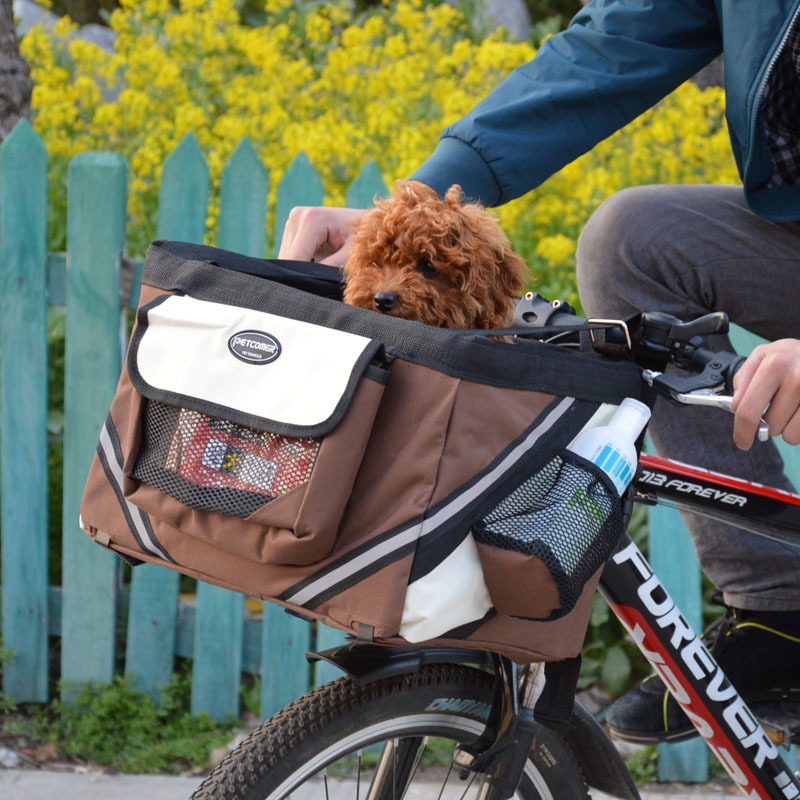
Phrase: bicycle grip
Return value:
(731, 370)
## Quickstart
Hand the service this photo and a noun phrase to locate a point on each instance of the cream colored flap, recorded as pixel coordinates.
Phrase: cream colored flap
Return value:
(259, 369)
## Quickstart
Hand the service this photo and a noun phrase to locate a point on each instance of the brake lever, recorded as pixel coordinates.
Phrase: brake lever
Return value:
(712, 397)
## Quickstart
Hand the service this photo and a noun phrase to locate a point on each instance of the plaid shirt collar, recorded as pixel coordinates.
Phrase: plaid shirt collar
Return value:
(781, 110)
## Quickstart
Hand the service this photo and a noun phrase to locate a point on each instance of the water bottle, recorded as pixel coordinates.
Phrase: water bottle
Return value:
(612, 447)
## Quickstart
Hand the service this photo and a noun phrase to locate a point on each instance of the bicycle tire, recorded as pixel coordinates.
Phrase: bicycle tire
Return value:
(306, 738)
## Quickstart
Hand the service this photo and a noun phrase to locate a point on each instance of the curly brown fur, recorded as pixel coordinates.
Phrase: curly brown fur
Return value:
(443, 262)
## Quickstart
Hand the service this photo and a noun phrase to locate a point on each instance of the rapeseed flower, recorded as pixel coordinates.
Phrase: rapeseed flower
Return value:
(381, 87)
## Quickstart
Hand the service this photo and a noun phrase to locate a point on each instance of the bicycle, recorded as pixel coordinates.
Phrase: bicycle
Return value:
(503, 741)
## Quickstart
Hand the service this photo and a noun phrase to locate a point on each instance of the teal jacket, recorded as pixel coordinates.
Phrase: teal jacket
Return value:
(616, 59)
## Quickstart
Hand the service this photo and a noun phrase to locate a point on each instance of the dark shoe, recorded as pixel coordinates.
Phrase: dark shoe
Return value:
(758, 651)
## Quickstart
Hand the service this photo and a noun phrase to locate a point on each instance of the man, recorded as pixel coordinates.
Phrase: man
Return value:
(684, 250)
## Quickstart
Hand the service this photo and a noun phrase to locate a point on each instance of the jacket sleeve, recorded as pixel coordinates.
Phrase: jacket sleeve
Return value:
(616, 59)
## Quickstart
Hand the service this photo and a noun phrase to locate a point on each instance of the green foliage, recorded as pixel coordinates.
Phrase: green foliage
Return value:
(643, 765)
(120, 727)
(7, 703)
(250, 692)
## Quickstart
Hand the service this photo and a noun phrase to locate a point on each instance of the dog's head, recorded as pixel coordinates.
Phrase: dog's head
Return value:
(443, 262)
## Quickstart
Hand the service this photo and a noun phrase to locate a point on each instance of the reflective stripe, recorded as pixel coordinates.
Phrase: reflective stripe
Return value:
(111, 459)
(368, 560)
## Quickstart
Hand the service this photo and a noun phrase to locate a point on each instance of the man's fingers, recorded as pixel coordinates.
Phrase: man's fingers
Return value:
(791, 433)
(318, 233)
(752, 402)
(770, 378)
(743, 376)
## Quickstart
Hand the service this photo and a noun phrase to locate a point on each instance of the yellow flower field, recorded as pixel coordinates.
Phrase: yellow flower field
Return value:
(380, 88)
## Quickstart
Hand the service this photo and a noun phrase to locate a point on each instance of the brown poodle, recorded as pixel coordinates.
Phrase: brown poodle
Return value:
(443, 262)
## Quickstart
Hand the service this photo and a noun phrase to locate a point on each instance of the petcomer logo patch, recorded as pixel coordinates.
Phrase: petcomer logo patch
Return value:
(254, 347)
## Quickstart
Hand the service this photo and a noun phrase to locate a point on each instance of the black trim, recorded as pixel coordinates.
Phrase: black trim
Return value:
(308, 276)
(468, 628)
(362, 364)
(366, 663)
(532, 366)
(130, 560)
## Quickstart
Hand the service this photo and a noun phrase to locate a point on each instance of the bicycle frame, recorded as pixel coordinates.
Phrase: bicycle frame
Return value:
(674, 650)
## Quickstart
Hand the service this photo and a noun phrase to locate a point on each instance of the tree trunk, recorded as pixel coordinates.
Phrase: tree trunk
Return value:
(15, 81)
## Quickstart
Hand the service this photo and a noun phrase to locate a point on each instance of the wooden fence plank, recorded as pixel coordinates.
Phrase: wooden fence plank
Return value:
(299, 186)
(152, 619)
(23, 399)
(96, 217)
(361, 192)
(285, 675)
(183, 194)
(217, 674)
(243, 202)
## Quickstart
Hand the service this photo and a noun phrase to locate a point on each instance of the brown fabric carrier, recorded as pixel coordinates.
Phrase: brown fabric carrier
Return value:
(267, 438)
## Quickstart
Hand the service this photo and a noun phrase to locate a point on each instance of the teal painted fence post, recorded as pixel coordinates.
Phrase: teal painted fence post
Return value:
(183, 194)
(243, 202)
(360, 194)
(96, 215)
(299, 186)
(152, 614)
(23, 400)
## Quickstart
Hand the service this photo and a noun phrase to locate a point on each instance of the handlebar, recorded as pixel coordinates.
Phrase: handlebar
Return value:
(653, 340)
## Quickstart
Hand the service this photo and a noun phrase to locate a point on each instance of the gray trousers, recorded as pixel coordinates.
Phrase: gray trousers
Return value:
(689, 250)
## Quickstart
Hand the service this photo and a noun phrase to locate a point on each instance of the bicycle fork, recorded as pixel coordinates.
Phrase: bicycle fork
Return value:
(694, 678)
(511, 733)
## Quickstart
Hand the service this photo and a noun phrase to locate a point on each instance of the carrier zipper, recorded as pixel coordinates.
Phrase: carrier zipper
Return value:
(760, 95)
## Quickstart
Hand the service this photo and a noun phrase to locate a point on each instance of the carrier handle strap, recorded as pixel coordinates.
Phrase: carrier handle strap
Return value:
(590, 326)
(554, 706)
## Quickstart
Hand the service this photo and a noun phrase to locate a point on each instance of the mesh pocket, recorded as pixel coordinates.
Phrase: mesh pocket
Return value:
(566, 516)
(212, 464)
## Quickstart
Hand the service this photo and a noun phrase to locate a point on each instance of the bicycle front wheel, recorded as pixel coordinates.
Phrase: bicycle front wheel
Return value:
(389, 739)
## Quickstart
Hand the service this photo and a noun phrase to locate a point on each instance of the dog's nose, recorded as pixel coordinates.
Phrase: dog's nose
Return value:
(385, 301)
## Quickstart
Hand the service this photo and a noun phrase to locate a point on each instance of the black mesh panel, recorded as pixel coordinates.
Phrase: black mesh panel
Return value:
(211, 464)
(566, 516)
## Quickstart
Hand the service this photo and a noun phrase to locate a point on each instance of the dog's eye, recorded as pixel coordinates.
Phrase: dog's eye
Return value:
(426, 267)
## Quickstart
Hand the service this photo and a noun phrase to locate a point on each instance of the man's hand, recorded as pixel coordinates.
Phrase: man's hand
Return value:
(315, 233)
(769, 377)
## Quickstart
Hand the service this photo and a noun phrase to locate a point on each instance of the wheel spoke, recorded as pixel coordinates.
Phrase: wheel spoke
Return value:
(396, 767)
